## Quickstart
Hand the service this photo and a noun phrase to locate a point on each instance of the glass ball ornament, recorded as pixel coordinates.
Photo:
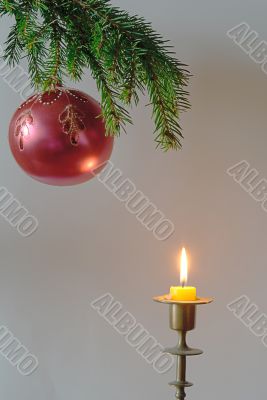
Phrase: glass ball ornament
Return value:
(58, 137)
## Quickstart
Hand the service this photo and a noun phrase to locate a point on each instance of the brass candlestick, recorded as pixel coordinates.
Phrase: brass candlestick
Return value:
(182, 316)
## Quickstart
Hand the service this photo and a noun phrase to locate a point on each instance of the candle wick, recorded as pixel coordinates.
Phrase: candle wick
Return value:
(183, 284)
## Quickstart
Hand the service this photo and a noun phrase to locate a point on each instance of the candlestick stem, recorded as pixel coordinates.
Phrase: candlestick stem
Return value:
(181, 377)
(182, 339)
(182, 318)
(181, 367)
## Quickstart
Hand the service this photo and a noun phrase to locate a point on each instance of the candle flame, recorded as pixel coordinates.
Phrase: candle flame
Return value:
(183, 268)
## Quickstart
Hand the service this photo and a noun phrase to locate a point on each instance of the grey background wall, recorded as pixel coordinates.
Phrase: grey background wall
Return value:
(87, 244)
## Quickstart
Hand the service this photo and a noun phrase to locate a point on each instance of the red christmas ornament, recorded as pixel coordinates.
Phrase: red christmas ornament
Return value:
(58, 138)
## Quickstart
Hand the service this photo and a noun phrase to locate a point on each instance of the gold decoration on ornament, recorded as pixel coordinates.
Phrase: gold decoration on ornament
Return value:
(22, 127)
(72, 123)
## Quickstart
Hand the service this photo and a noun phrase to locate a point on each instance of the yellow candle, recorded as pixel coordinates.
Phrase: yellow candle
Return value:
(183, 293)
(186, 293)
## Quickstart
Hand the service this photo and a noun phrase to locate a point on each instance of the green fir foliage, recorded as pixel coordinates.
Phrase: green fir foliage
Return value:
(124, 54)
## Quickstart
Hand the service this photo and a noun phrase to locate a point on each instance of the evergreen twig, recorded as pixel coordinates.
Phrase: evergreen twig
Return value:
(123, 52)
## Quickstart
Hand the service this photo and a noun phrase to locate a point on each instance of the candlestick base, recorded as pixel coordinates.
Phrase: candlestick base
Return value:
(182, 318)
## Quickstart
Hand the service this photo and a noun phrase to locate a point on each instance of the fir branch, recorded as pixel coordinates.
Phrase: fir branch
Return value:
(164, 110)
(14, 47)
(133, 79)
(123, 52)
(114, 114)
